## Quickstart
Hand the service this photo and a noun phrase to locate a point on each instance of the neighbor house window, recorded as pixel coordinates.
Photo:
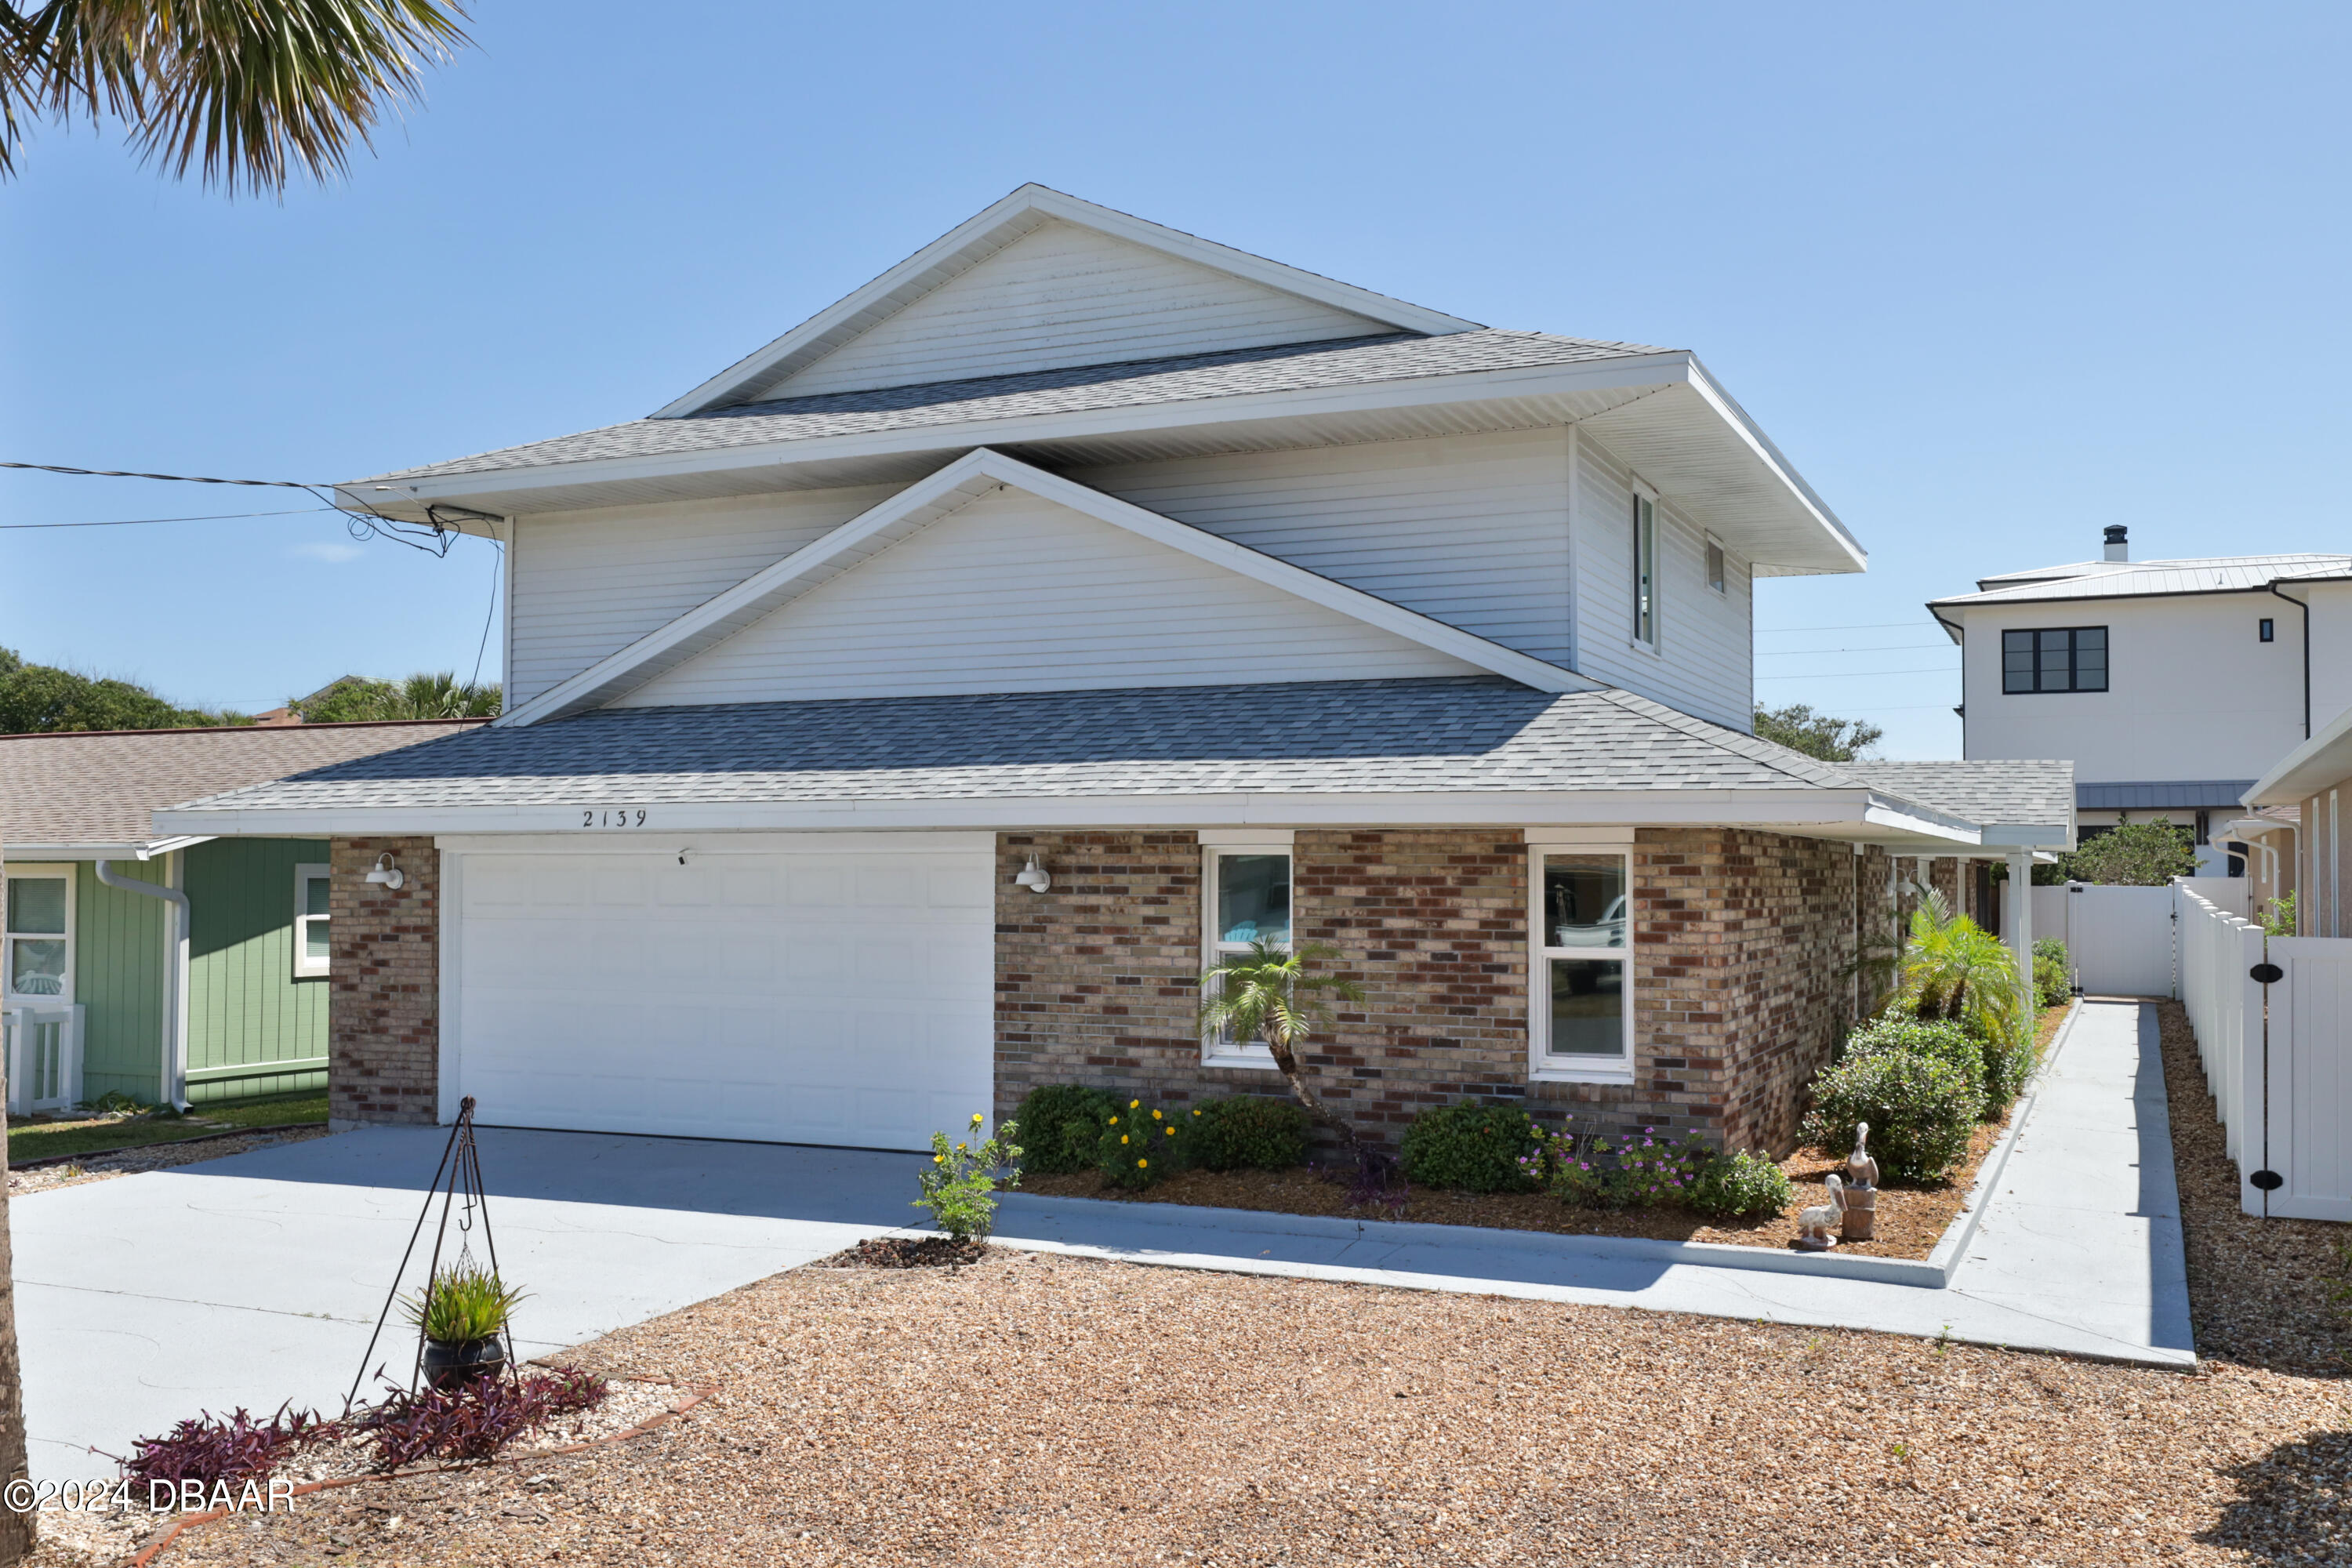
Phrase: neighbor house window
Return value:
(37, 959)
(1645, 570)
(1714, 578)
(2264, 629)
(1580, 1011)
(1245, 900)
(2057, 658)
(312, 931)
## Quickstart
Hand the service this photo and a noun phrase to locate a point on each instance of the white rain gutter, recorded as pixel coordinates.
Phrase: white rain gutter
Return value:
(175, 1018)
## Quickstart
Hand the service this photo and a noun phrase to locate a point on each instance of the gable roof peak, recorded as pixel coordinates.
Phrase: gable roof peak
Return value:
(997, 227)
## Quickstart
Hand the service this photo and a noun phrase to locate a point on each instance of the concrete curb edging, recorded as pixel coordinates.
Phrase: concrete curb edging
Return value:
(1934, 1273)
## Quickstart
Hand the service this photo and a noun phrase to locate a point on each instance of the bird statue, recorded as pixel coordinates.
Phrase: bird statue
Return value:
(1817, 1226)
(1861, 1170)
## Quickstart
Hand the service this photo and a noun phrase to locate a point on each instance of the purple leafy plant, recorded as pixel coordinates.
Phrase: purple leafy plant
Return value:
(473, 1420)
(209, 1448)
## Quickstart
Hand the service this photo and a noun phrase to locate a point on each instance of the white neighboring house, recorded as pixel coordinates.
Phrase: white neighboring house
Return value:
(905, 716)
(2172, 685)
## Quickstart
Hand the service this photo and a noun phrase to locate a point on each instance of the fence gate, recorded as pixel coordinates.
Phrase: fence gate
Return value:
(2310, 1077)
(2119, 940)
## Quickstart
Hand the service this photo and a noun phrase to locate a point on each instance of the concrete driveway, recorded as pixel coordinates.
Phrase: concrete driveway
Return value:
(257, 1279)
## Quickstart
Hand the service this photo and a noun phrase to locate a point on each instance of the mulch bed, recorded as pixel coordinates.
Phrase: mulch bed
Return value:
(2273, 1293)
(907, 1252)
(1912, 1217)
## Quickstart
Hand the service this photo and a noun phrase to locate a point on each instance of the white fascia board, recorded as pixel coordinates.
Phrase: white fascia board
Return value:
(1728, 409)
(2027, 835)
(964, 481)
(143, 849)
(2324, 759)
(1811, 812)
(998, 225)
(1632, 372)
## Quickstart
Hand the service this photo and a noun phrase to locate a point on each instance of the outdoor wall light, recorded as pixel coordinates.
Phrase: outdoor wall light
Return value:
(1033, 877)
(387, 873)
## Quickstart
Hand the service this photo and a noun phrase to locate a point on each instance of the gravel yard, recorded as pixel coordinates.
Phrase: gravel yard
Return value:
(1041, 1409)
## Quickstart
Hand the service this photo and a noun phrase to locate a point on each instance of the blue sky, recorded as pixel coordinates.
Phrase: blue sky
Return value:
(1993, 278)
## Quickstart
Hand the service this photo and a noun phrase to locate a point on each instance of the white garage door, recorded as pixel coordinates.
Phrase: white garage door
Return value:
(834, 993)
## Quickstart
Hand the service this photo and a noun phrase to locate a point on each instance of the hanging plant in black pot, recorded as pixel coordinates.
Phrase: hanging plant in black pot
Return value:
(462, 1315)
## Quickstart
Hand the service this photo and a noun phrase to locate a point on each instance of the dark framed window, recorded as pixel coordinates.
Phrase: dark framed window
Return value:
(1646, 571)
(2054, 658)
(2264, 630)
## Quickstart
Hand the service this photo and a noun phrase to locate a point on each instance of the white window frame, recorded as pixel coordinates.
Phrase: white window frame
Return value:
(1216, 1051)
(8, 991)
(1542, 1066)
(305, 966)
(1646, 534)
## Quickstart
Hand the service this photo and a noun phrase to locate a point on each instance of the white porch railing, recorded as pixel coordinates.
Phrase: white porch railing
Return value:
(2288, 1109)
(43, 1046)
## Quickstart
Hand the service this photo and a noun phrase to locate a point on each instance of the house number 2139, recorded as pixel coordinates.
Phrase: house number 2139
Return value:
(622, 817)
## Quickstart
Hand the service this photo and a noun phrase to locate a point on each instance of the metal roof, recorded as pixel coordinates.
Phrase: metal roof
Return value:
(2134, 579)
(2157, 794)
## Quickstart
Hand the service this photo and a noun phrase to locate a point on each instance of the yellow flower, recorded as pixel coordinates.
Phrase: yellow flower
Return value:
(1155, 1116)
(939, 1159)
(1114, 1122)
(1143, 1164)
(975, 1118)
(1196, 1114)
(1134, 1104)
(1172, 1132)
(1122, 1137)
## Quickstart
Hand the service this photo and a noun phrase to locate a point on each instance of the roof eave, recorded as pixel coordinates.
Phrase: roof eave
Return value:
(2322, 760)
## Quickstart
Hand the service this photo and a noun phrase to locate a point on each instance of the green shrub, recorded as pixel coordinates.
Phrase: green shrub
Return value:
(1472, 1148)
(2052, 984)
(1939, 1039)
(1063, 1123)
(1741, 1186)
(1140, 1146)
(463, 1302)
(2008, 1064)
(960, 1189)
(1248, 1132)
(1921, 1112)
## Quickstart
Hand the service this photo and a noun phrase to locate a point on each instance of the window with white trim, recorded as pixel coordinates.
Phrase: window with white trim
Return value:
(36, 950)
(1245, 899)
(1645, 570)
(1581, 1004)
(1715, 576)
(312, 934)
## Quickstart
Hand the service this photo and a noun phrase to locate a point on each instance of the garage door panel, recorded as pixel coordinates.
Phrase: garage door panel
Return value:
(808, 997)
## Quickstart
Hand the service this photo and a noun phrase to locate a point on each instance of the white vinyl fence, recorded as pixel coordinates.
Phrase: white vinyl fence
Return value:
(43, 1046)
(2119, 940)
(2283, 1086)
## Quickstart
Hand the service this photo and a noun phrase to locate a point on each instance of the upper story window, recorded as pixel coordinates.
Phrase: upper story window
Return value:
(1715, 575)
(311, 947)
(2266, 630)
(1645, 570)
(2055, 658)
(37, 952)
(1245, 899)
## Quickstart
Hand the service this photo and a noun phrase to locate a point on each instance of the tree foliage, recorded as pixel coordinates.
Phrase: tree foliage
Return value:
(40, 699)
(356, 700)
(247, 91)
(2134, 853)
(1953, 968)
(1832, 740)
(1266, 994)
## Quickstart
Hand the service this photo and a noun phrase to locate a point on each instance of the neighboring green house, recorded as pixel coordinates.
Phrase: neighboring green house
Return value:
(166, 968)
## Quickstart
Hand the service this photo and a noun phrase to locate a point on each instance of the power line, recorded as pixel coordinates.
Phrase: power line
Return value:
(432, 536)
(210, 517)
(1859, 627)
(1859, 674)
(177, 478)
(497, 562)
(1872, 647)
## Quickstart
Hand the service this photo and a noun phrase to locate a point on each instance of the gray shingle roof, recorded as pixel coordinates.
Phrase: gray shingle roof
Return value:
(2011, 792)
(97, 788)
(1346, 736)
(1288, 367)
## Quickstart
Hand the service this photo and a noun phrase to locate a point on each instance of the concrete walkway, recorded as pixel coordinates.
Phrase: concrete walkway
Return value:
(2079, 1249)
(255, 1280)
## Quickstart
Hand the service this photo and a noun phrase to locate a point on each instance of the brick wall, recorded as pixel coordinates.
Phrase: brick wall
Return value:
(1740, 944)
(385, 985)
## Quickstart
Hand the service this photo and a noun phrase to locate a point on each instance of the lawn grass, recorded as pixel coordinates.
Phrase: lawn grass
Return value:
(37, 1141)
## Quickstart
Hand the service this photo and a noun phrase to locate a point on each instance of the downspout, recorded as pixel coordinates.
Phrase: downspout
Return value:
(2304, 606)
(176, 1020)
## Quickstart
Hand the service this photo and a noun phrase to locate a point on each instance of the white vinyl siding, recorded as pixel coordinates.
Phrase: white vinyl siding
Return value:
(1467, 530)
(1063, 296)
(1016, 594)
(1704, 663)
(588, 584)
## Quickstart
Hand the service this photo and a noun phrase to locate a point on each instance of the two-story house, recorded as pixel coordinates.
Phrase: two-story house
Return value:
(906, 717)
(2172, 685)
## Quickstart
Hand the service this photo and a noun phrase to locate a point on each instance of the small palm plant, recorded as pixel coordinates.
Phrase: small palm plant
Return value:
(1268, 994)
(1953, 968)
(464, 1303)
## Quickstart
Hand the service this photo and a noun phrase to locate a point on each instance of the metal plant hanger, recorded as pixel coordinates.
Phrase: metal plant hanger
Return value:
(457, 1183)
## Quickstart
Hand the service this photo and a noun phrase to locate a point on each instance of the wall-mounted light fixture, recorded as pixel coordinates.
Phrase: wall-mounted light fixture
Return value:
(1033, 877)
(387, 874)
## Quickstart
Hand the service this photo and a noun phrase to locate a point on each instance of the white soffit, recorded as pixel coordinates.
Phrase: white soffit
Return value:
(980, 236)
(961, 483)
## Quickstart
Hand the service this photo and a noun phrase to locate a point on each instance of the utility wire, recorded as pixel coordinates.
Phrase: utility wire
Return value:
(1859, 674)
(433, 536)
(1859, 627)
(181, 479)
(210, 517)
(1871, 647)
(497, 574)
